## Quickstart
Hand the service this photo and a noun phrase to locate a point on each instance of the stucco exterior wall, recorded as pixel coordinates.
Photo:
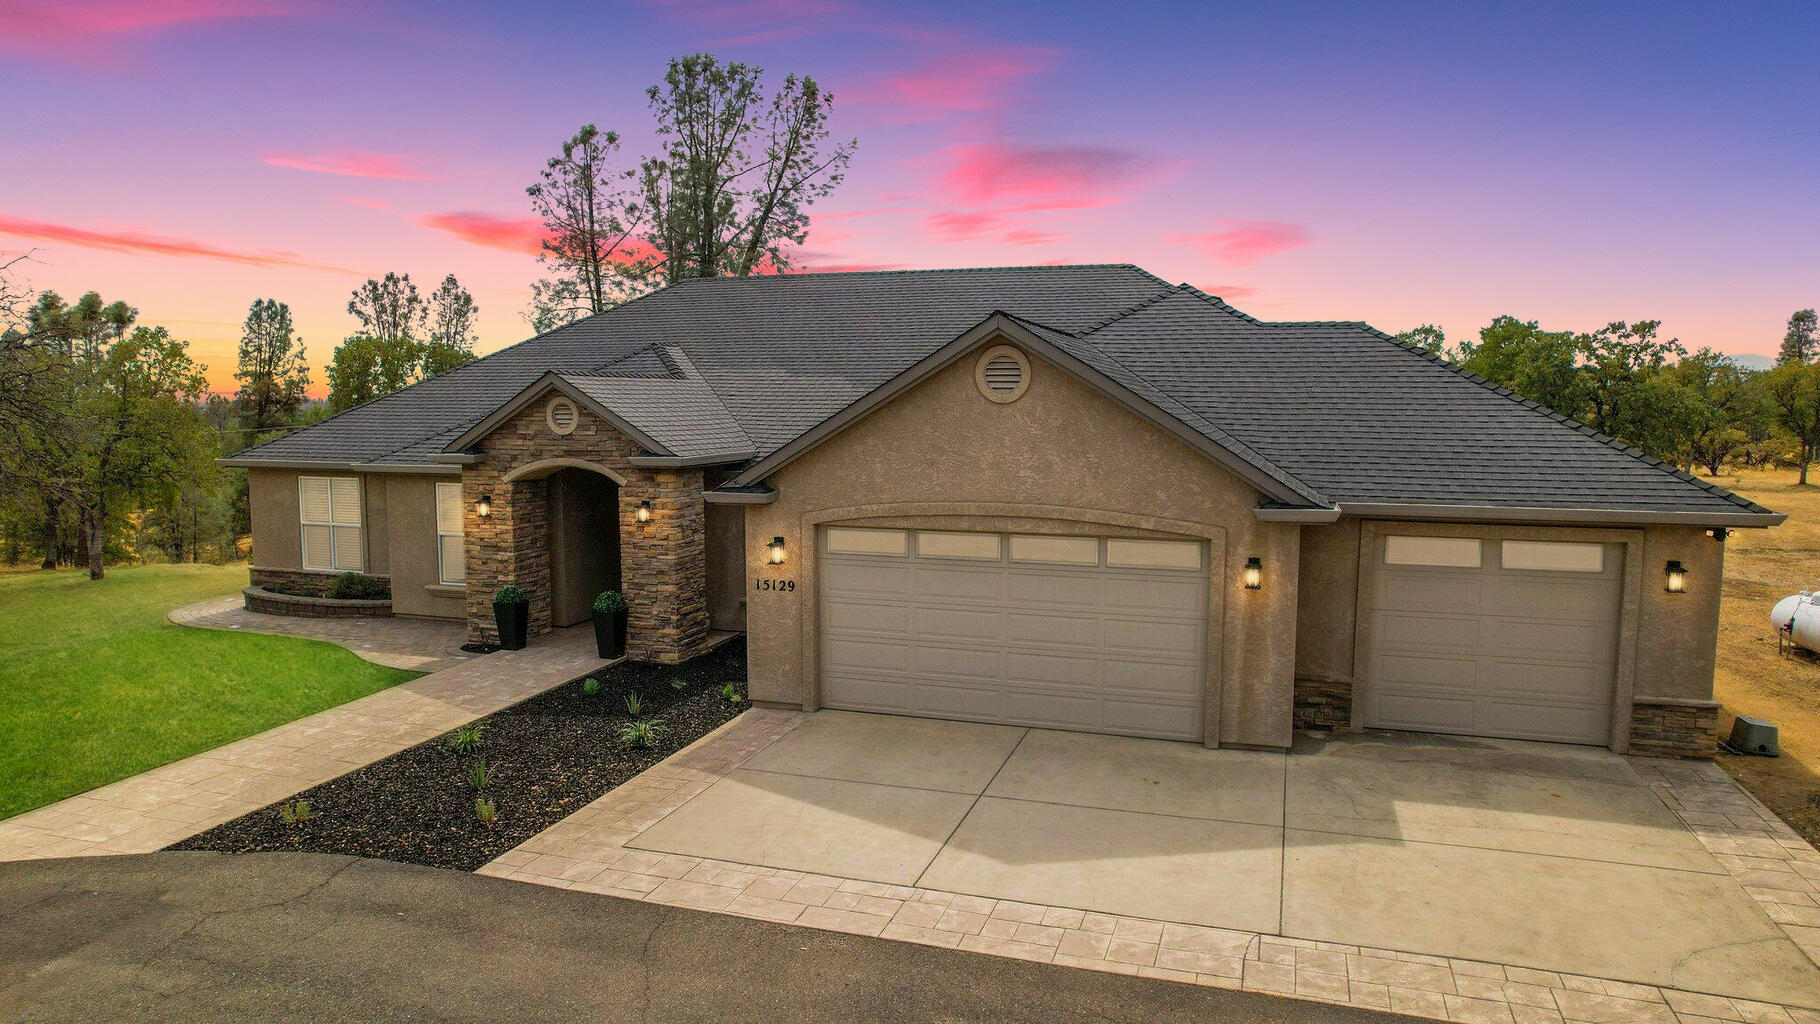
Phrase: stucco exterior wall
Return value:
(726, 568)
(1063, 459)
(1679, 645)
(411, 549)
(277, 527)
(1329, 586)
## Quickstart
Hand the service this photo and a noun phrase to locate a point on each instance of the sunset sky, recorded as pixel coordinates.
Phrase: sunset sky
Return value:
(1573, 163)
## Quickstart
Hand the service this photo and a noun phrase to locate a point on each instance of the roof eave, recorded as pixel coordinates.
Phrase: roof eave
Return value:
(1740, 519)
(331, 465)
(687, 461)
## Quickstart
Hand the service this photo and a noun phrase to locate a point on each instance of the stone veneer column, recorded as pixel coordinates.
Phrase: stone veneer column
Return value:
(1666, 727)
(663, 565)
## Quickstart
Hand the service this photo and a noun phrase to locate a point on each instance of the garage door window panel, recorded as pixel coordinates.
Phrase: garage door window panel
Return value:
(1550, 556)
(852, 541)
(1153, 554)
(1056, 550)
(1450, 552)
(975, 546)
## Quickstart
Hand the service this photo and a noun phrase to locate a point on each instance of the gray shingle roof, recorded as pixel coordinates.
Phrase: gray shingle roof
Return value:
(1336, 412)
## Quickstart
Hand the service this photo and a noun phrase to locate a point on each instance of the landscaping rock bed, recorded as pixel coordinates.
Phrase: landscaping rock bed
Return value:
(547, 757)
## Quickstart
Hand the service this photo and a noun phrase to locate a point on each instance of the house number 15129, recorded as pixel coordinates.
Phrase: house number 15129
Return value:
(765, 583)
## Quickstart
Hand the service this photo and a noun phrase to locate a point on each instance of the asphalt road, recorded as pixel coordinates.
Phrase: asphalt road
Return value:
(306, 937)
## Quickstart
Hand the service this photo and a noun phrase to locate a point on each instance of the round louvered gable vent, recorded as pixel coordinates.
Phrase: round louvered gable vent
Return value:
(561, 416)
(1002, 374)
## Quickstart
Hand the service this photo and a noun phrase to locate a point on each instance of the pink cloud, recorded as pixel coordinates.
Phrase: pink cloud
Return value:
(763, 21)
(980, 80)
(138, 242)
(958, 227)
(1024, 236)
(1041, 177)
(352, 164)
(377, 204)
(62, 28)
(1230, 291)
(1244, 242)
(513, 234)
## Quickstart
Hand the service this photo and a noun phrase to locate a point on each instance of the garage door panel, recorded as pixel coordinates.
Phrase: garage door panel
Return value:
(1062, 645)
(1425, 590)
(948, 583)
(1061, 630)
(1150, 678)
(970, 623)
(1053, 588)
(1156, 592)
(1485, 650)
(1161, 636)
(1405, 631)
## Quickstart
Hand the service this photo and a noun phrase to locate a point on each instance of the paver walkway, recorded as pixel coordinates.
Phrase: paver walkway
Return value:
(420, 645)
(152, 810)
(588, 852)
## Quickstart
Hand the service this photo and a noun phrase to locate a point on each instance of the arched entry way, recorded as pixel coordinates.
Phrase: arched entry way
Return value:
(581, 508)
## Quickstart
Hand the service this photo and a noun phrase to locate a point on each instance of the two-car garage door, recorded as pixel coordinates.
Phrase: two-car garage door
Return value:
(1091, 633)
(1494, 637)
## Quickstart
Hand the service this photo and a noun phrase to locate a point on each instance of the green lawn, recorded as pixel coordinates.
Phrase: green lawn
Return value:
(97, 685)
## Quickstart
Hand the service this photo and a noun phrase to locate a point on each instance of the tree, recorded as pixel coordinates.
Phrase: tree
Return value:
(452, 315)
(1428, 337)
(1542, 366)
(711, 208)
(1795, 387)
(1730, 410)
(272, 373)
(589, 213)
(389, 308)
(368, 368)
(1618, 360)
(1798, 342)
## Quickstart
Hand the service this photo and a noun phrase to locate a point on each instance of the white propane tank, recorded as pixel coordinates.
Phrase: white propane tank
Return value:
(1799, 617)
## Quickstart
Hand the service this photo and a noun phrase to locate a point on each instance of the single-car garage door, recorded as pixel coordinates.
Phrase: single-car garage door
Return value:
(1491, 637)
(1096, 634)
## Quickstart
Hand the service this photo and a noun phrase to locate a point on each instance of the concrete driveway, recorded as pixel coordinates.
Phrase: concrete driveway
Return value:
(1549, 857)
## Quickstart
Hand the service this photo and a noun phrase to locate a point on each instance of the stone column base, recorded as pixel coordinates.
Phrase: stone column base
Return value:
(1673, 727)
(1323, 704)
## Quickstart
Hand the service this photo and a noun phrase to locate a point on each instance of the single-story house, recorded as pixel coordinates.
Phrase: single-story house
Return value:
(1075, 497)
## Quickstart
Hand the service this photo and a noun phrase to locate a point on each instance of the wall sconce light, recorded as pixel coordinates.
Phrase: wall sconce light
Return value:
(1677, 578)
(643, 514)
(1719, 533)
(483, 507)
(1254, 574)
(777, 551)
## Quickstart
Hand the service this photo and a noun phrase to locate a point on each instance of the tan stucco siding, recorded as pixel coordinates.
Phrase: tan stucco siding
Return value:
(411, 547)
(272, 501)
(726, 568)
(1678, 643)
(1327, 593)
(1064, 459)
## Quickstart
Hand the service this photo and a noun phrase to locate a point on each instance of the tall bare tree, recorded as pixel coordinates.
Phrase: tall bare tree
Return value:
(590, 212)
(452, 316)
(274, 378)
(389, 307)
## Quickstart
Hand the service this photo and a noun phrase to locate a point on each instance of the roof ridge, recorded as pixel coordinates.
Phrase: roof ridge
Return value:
(1568, 421)
(1220, 303)
(1168, 290)
(925, 270)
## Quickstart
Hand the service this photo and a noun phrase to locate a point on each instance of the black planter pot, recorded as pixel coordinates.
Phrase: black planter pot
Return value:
(610, 633)
(514, 621)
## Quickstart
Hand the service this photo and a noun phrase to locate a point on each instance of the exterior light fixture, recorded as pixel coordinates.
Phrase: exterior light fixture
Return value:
(483, 507)
(777, 551)
(1254, 574)
(1719, 533)
(1677, 578)
(644, 512)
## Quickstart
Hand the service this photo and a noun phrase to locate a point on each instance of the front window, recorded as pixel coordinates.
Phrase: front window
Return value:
(329, 507)
(452, 566)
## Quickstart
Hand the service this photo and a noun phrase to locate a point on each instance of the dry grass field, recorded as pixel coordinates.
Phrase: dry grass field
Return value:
(1762, 567)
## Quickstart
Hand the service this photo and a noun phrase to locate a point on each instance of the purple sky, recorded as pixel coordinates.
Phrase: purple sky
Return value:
(1397, 164)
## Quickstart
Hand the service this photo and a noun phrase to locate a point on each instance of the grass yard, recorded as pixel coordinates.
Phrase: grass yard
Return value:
(98, 685)
(1761, 568)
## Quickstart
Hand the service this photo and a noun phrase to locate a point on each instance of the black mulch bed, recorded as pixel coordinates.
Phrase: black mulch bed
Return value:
(549, 756)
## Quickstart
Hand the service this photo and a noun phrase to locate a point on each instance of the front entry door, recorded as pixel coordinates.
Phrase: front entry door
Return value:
(584, 543)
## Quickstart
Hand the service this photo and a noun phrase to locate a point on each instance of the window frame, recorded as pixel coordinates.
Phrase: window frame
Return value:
(304, 522)
(442, 571)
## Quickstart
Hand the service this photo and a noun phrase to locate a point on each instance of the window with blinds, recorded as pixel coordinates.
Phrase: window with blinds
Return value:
(451, 560)
(329, 508)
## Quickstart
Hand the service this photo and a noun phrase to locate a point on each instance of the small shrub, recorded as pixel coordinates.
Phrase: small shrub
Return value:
(679, 684)
(510, 594)
(730, 693)
(485, 811)
(467, 739)
(609, 601)
(295, 812)
(590, 686)
(635, 705)
(643, 733)
(479, 774)
(355, 586)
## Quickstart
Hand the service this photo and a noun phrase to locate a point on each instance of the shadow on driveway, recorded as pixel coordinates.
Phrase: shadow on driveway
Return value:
(307, 937)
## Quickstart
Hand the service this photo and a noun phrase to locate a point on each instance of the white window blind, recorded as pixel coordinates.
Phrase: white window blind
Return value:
(452, 566)
(329, 510)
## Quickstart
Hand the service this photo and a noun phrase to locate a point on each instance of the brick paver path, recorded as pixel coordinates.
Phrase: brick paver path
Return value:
(150, 811)
(421, 645)
(586, 851)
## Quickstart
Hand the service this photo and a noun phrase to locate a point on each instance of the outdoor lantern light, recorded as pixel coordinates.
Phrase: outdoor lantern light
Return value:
(1677, 578)
(1254, 574)
(644, 512)
(484, 506)
(777, 551)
